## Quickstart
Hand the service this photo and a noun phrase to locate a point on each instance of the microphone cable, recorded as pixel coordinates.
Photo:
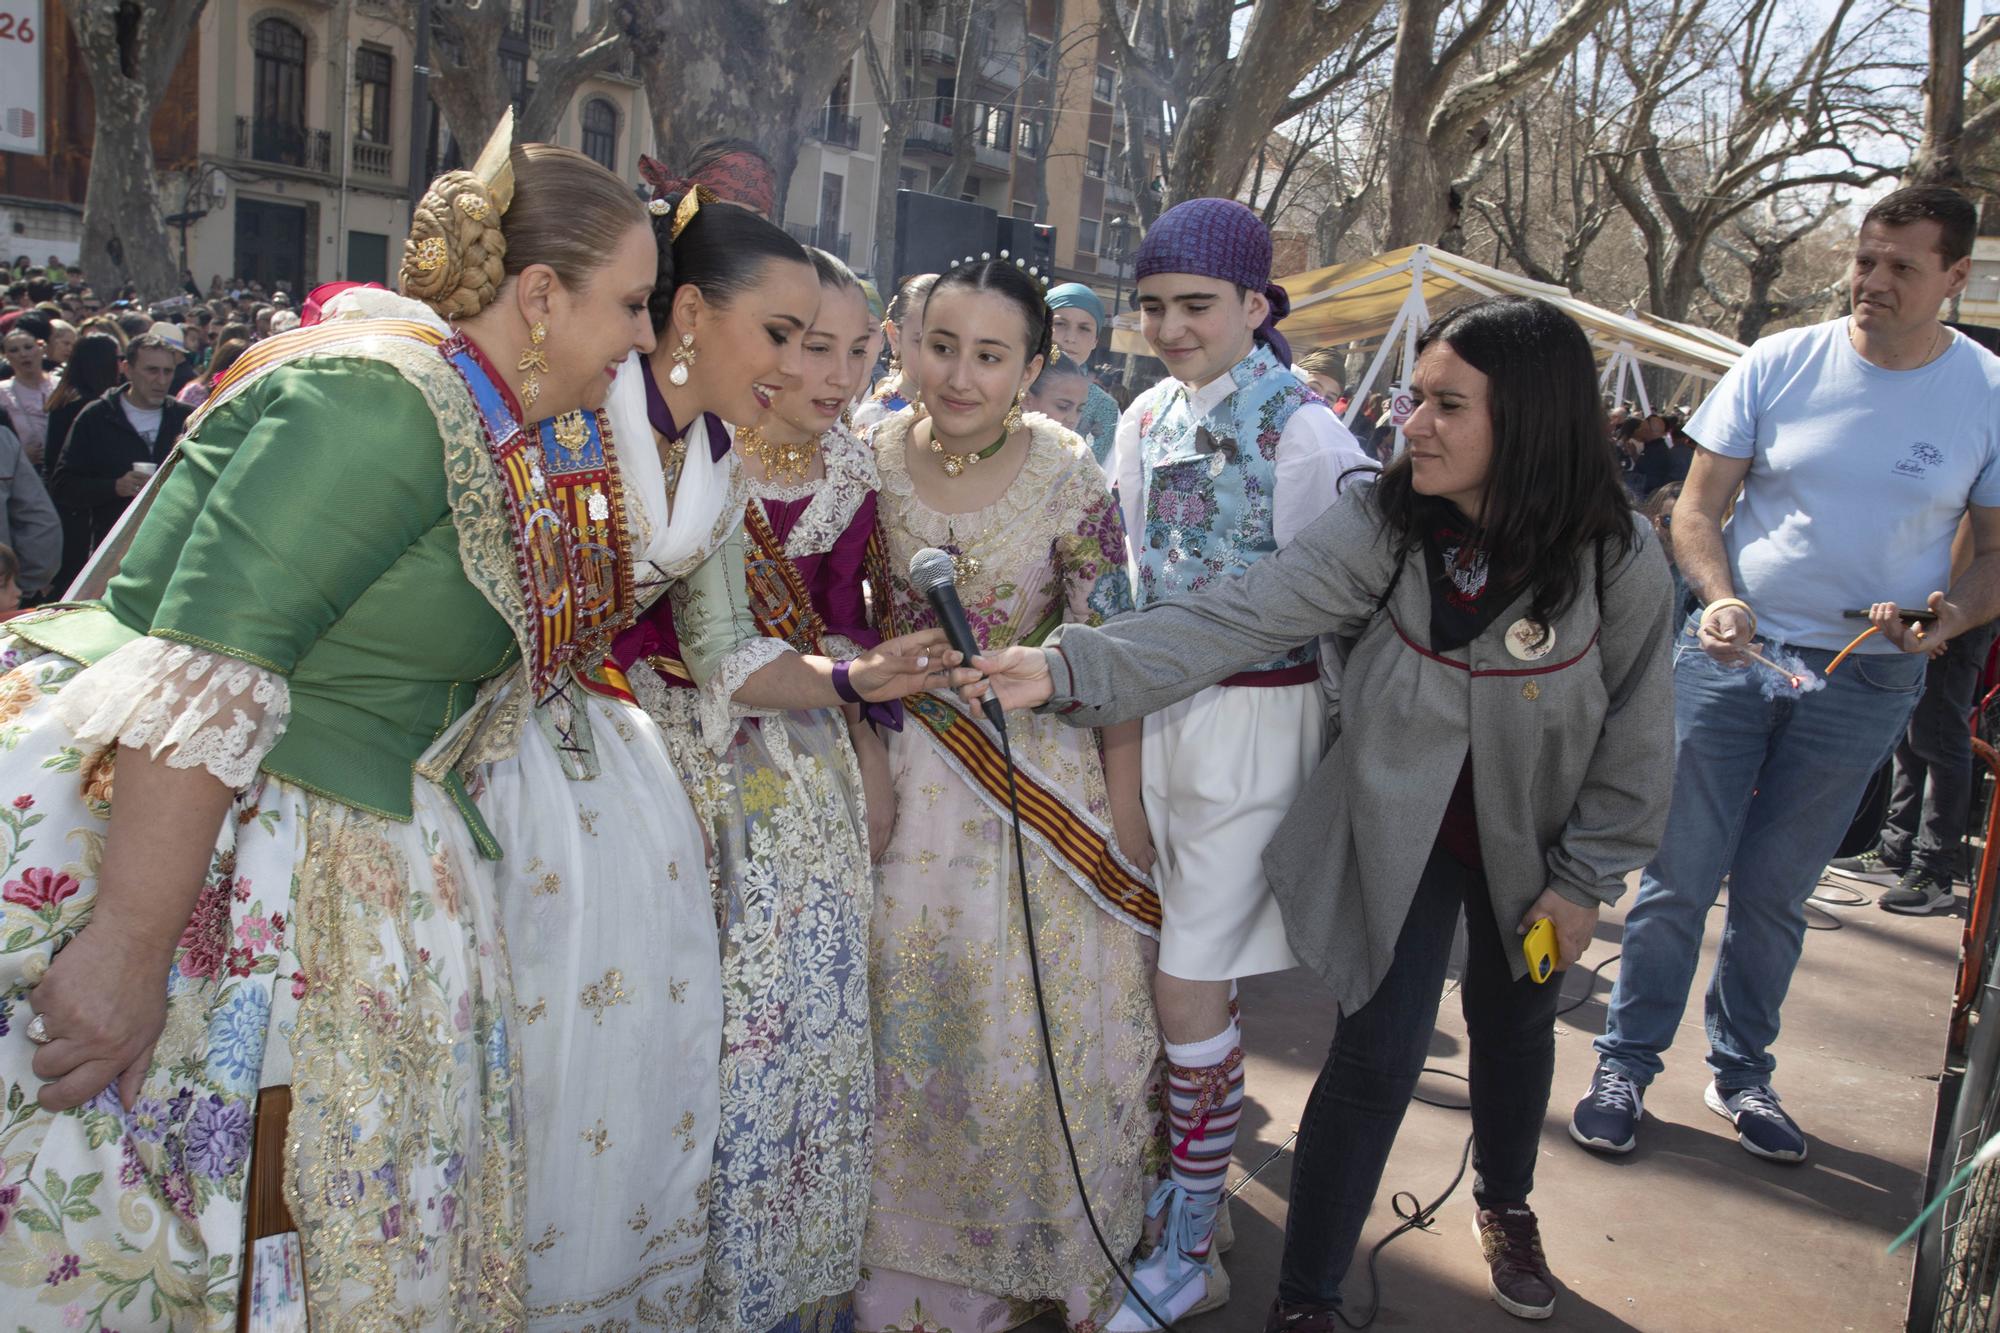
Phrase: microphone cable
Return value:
(1048, 1042)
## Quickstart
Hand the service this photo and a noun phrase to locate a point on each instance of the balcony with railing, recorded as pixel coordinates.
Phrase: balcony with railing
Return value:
(284, 144)
(374, 159)
(938, 47)
(541, 36)
(929, 136)
(832, 127)
(1118, 194)
(991, 157)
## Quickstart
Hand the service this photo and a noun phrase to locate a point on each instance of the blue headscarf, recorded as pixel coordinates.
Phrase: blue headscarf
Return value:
(1077, 296)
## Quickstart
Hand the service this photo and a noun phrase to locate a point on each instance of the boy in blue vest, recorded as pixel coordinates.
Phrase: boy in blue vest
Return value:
(1217, 466)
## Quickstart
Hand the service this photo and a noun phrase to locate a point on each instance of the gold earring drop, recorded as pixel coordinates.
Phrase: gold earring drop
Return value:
(533, 360)
(683, 358)
(1013, 421)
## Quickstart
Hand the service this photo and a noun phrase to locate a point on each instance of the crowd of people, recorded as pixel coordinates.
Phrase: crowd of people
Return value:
(500, 838)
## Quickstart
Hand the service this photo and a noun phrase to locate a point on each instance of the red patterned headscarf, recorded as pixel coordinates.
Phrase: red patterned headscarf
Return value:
(739, 177)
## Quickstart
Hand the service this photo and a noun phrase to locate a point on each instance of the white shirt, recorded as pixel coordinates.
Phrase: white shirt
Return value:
(1314, 449)
(147, 423)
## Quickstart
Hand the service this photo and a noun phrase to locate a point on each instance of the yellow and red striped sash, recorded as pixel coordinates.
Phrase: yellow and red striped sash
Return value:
(1080, 846)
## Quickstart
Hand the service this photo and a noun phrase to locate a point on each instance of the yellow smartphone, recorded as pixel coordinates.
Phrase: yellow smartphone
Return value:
(1538, 946)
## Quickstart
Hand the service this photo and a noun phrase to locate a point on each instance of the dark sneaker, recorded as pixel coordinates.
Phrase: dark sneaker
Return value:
(1607, 1119)
(1303, 1319)
(1762, 1126)
(1868, 868)
(1520, 1280)
(1921, 893)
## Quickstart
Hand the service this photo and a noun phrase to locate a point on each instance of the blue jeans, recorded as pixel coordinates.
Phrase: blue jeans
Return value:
(1764, 789)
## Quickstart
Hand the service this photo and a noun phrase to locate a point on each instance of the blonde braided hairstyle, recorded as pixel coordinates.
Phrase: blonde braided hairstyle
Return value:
(456, 257)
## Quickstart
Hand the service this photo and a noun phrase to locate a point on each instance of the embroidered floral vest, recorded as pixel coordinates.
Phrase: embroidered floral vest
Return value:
(1208, 481)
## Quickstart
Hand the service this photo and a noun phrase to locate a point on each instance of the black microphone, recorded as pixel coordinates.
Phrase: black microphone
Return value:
(936, 576)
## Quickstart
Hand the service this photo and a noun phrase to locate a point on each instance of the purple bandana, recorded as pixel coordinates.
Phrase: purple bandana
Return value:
(1218, 238)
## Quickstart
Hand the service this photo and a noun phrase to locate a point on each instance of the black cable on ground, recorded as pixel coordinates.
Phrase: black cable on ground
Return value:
(1048, 1042)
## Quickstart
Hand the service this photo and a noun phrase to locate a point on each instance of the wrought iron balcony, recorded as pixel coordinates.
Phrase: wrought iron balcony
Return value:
(285, 144)
(831, 127)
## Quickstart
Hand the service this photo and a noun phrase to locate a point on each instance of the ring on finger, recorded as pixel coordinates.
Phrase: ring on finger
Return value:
(38, 1031)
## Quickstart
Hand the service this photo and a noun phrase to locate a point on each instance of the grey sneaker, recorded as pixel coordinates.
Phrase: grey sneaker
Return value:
(1868, 868)
(1921, 893)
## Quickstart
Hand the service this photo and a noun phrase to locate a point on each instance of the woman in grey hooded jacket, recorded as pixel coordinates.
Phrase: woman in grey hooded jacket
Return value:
(1506, 750)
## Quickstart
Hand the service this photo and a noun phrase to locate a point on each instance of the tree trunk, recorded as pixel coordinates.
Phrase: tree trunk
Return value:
(1937, 161)
(1242, 97)
(470, 82)
(897, 98)
(129, 52)
(967, 117)
(1439, 128)
(758, 72)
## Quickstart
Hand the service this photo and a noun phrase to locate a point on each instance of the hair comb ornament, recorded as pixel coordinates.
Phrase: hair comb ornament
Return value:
(690, 204)
(659, 208)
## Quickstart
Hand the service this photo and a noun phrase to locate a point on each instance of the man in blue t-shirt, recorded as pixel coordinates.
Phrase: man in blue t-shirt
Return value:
(1859, 445)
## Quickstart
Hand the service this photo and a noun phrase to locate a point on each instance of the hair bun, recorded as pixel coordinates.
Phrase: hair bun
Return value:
(455, 259)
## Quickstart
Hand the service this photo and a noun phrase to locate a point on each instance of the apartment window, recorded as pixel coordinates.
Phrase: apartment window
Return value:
(372, 71)
(1086, 235)
(947, 92)
(910, 178)
(1097, 160)
(600, 133)
(1031, 137)
(514, 67)
(280, 75)
(998, 131)
(1106, 83)
(1025, 212)
(1038, 57)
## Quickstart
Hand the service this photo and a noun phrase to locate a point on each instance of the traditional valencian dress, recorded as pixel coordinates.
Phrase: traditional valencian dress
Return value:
(976, 1221)
(605, 898)
(781, 797)
(342, 551)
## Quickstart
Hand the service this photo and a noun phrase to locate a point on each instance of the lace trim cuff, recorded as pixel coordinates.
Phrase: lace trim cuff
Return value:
(719, 712)
(200, 709)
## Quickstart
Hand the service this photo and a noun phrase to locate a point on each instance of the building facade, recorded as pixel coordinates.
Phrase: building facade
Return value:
(284, 141)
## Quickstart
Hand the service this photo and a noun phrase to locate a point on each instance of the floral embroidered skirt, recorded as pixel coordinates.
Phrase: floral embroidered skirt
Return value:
(351, 956)
(604, 893)
(793, 880)
(976, 1223)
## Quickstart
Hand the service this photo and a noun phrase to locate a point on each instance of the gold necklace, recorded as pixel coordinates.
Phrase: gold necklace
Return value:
(1937, 340)
(785, 464)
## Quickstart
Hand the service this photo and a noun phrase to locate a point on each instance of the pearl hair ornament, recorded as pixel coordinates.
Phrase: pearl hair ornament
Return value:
(986, 255)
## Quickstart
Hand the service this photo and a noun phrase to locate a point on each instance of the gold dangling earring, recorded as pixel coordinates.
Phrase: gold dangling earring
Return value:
(1013, 421)
(532, 360)
(683, 358)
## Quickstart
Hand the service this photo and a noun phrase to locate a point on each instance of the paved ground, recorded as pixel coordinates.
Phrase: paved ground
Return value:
(1689, 1232)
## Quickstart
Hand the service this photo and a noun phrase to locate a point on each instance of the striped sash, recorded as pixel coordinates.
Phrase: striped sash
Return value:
(1074, 839)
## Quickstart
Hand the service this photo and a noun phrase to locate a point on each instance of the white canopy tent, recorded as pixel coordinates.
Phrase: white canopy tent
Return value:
(1391, 297)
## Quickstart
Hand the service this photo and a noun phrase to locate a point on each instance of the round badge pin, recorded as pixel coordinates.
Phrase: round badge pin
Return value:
(1527, 642)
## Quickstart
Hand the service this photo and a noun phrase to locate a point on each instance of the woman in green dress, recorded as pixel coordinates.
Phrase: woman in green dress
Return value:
(238, 849)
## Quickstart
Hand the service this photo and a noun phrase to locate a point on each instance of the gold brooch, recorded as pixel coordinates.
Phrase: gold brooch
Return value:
(431, 254)
(472, 206)
(571, 431)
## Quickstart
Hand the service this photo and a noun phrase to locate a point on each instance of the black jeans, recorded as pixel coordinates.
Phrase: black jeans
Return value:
(1932, 798)
(1378, 1052)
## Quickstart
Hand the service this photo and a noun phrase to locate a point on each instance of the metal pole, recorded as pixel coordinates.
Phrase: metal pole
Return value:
(420, 106)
